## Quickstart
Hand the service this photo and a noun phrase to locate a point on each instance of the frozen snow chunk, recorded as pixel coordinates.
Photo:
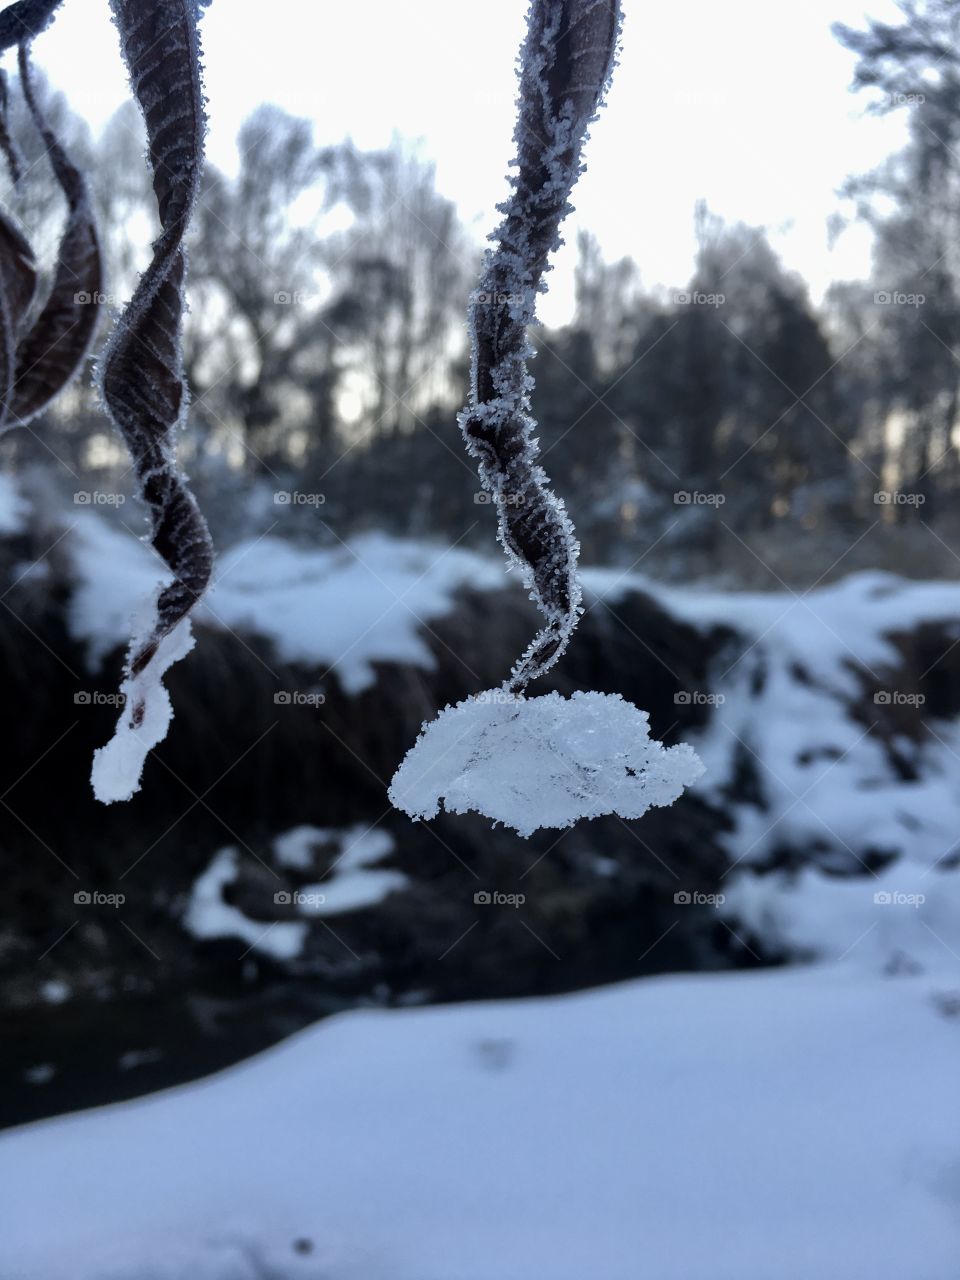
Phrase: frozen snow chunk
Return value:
(541, 762)
(143, 723)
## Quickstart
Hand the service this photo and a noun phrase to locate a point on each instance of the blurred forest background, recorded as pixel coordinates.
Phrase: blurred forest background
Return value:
(727, 428)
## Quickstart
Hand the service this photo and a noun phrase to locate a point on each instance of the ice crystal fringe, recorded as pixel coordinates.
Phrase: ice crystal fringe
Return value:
(565, 67)
(541, 762)
(141, 375)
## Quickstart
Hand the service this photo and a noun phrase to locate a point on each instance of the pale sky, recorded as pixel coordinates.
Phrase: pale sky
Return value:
(744, 104)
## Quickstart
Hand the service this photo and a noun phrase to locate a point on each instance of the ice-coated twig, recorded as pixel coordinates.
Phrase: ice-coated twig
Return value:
(565, 67)
(141, 374)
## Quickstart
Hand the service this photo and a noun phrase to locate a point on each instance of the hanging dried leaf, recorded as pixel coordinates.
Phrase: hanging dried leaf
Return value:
(18, 284)
(8, 148)
(54, 347)
(566, 63)
(38, 362)
(18, 270)
(546, 761)
(141, 373)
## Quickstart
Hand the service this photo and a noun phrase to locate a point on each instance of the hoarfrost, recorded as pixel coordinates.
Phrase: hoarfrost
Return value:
(143, 723)
(541, 762)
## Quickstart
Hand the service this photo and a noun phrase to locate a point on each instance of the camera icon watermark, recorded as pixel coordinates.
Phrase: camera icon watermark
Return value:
(897, 498)
(897, 298)
(95, 498)
(694, 898)
(494, 298)
(494, 898)
(694, 498)
(294, 498)
(483, 499)
(695, 298)
(495, 698)
(894, 898)
(95, 898)
(94, 698)
(298, 698)
(895, 698)
(298, 898)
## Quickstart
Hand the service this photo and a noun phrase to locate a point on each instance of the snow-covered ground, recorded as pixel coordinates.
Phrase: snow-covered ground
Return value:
(784, 1124)
(796, 1122)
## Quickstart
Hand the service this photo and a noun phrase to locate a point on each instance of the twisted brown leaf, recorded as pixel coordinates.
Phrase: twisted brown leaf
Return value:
(141, 374)
(18, 284)
(38, 361)
(54, 347)
(566, 63)
(7, 145)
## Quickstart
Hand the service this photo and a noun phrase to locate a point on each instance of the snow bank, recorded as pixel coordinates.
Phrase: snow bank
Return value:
(787, 1124)
(338, 609)
(352, 883)
(886, 891)
(208, 915)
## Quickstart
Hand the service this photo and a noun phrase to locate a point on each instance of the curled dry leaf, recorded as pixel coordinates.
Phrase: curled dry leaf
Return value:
(38, 359)
(18, 284)
(141, 374)
(566, 63)
(8, 148)
(54, 347)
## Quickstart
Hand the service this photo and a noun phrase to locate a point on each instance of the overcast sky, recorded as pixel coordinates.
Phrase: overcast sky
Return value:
(743, 103)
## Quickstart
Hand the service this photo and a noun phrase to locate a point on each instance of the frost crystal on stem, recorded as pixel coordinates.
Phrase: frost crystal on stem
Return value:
(565, 67)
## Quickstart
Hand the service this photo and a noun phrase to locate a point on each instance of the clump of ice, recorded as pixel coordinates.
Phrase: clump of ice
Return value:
(143, 723)
(541, 762)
